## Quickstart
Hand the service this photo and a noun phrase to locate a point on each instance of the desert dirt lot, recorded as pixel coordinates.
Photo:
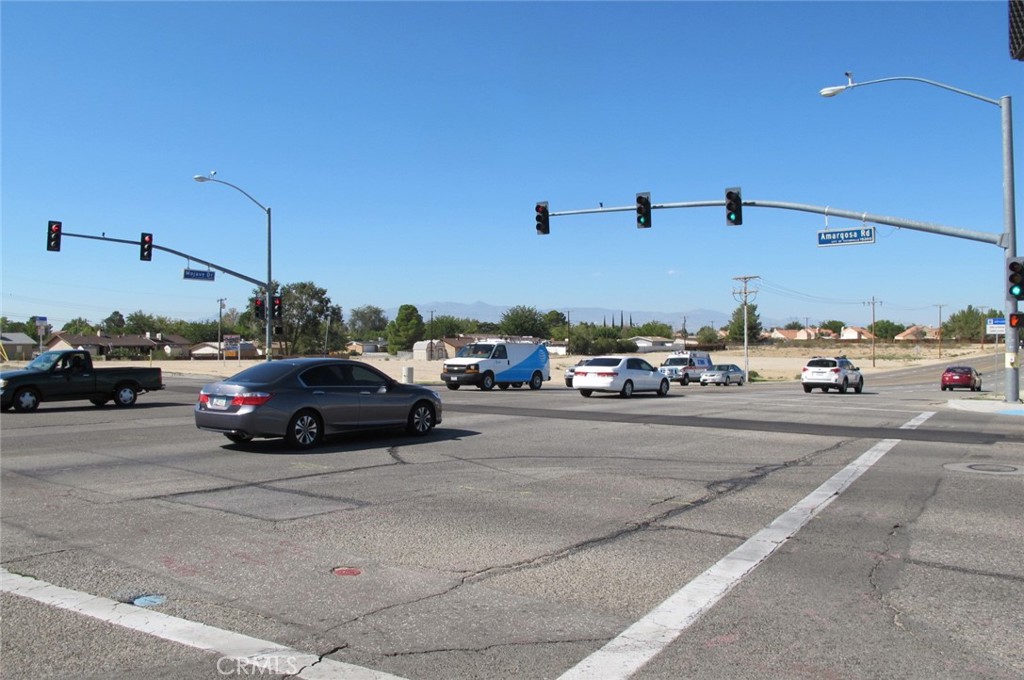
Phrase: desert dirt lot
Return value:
(766, 363)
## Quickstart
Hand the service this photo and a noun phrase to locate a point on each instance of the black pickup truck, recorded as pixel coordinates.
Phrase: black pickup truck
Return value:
(69, 375)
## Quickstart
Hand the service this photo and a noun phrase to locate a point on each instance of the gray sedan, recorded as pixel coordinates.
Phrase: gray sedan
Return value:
(303, 400)
(723, 374)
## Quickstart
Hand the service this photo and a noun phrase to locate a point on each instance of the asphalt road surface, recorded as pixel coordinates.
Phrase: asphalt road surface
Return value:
(740, 532)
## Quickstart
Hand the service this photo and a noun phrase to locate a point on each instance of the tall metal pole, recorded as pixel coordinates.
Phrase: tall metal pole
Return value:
(1008, 241)
(270, 280)
(1010, 232)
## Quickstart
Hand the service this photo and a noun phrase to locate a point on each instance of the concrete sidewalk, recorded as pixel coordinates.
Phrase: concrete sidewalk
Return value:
(987, 406)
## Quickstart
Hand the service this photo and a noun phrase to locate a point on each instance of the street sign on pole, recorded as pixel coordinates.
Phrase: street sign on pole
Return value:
(846, 237)
(995, 326)
(199, 274)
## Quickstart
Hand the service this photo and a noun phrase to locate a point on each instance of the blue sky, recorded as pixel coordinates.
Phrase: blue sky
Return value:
(402, 146)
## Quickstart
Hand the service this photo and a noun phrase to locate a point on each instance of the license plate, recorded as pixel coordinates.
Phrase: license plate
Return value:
(219, 403)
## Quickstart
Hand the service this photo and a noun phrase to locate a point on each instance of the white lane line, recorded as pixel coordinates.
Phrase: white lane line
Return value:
(239, 653)
(625, 654)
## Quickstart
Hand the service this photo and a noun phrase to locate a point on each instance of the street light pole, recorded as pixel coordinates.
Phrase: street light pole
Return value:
(1008, 241)
(267, 289)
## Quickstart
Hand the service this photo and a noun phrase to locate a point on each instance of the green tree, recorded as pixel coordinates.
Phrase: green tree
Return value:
(367, 322)
(793, 326)
(523, 320)
(966, 325)
(753, 324)
(886, 330)
(707, 335)
(653, 329)
(138, 322)
(556, 322)
(448, 326)
(835, 326)
(113, 324)
(79, 326)
(306, 315)
(405, 330)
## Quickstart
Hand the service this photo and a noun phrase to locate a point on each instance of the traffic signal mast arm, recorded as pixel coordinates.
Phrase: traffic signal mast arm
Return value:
(192, 258)
(984, 237)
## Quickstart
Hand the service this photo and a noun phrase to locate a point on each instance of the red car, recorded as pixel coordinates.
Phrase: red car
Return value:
(961, 376)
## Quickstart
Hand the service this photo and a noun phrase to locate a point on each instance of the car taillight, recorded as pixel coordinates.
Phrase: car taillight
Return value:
(251, 399)
(834, 370)
(610, 374)
(204, 398)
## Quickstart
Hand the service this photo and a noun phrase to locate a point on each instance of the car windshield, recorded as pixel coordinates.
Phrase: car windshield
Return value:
(723, 367)
(476, 351)
(958, 369)
(44, 362)
(605, 361)
(824, 363)
(674, 361)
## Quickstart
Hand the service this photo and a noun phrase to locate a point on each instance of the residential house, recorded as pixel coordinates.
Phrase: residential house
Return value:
(101, 345)
(17, 346)
(652, 344)
(919, 334)
(855, 333)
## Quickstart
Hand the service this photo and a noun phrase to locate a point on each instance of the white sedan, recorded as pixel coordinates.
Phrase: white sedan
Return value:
(724, 374)
(624, 375)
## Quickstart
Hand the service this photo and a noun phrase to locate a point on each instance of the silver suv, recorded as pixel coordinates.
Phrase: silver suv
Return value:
(832, 373)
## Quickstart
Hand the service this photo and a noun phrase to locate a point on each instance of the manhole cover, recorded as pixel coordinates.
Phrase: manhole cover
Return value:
(986, 468)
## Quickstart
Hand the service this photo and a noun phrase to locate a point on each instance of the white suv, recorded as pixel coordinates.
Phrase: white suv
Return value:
(832, 373)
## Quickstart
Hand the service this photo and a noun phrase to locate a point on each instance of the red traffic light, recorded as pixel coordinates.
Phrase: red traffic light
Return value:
(53, 234)
(146, 247)
(1017, 321)
(543, 218)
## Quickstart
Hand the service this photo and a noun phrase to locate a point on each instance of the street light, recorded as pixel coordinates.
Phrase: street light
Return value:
(1008, 240)
(266, 291)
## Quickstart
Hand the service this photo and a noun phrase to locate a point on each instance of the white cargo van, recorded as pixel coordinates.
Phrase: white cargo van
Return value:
(487, 363)
(682, 367)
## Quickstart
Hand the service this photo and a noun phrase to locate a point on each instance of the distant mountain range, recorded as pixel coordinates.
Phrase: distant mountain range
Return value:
(482, 311)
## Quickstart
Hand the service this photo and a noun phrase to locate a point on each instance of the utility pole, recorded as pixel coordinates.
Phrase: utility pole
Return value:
(746, 293)
(873, 302)
(939, 333)
(568, 331)
(220, 337)
(430, 352)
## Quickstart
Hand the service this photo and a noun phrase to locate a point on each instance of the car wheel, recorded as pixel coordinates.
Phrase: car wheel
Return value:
(844, 386)
(859, 387)
(125, 395)
(586, 393)
(238, 438)
(703, 384)
(807, 389)
(452, 386)
(568, 383)
(26, 399)
(536, 380)
(488, 381)
(627, 390)
(663, 388)
(517, 385)
(685, 381)
(726, 381)
(942, 387)
(305, 430)
(421, 419)
(98, 402)
(824, 389)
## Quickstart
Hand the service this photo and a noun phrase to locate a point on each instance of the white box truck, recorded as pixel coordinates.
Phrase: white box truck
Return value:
(487, 363)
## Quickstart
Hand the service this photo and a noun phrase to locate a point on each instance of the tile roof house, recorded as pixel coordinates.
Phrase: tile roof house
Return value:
(919, 333)
(102, 344)
(855, 333)
(17, 346)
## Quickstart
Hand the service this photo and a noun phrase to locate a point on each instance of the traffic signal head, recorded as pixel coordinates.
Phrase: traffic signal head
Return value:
(1015, 278)
(543, 219)
(643, 210)
(278, 311)
(1017, 320)
(259, 309)
(733, 207)
(146, 247)
(53, 231)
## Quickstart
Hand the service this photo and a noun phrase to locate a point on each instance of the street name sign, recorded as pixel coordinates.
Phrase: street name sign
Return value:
(199, 274)
(846, 237)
